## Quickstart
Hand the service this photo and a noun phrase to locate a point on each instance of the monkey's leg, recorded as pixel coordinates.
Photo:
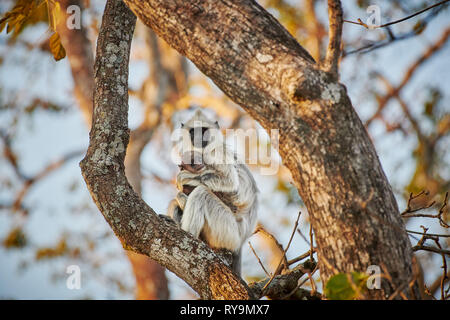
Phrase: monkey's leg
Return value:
(174, 211)
(205, 213)
(176, 207)
(236, 265)
(181, 199)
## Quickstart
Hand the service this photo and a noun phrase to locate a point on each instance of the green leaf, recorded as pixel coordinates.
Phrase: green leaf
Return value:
(56, 47)
(345, 286)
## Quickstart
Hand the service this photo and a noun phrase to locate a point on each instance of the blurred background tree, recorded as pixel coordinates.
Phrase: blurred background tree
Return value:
(398, 78)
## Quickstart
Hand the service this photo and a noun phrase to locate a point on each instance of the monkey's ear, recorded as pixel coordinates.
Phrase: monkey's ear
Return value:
(217, 124)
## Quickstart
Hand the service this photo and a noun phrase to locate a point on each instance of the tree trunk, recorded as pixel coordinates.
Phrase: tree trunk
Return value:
(257, 63)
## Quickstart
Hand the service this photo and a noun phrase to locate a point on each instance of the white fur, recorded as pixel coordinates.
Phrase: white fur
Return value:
(204, 213)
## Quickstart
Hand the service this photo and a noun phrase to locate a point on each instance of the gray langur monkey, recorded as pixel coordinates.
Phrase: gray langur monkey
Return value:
(217, 198)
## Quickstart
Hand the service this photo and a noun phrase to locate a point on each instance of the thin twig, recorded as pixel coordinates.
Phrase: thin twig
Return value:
(436, 284)
(333, 53)
(430, 234)
(29, 182)
(420, 246)
(259, 260)
(301, 257)
(286, 283)
(431, 249)
(303, 237)
(278, 269)
(409, 212)
(261, 229)
(300, 284)
(359, 22)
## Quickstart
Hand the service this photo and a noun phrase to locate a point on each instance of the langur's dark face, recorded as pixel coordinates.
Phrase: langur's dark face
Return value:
(200, 136)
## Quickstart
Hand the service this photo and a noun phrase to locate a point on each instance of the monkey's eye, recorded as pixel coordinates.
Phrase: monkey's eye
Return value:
(200, 136)
(194, 131)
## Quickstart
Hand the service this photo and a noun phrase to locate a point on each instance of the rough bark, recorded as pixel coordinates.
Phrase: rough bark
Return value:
(132, 220)
(256, 62)
(285, 286)
(151, 282)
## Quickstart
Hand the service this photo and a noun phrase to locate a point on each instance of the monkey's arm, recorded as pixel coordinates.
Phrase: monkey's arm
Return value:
(185, 177)
(174, 211)
(207, 215)
(222, 178)
(176, 207)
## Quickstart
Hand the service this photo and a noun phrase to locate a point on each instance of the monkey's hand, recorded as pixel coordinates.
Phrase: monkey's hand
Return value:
(181, 199)
(223, 178)
(176, 207)
(174, 212)
(186, 178)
